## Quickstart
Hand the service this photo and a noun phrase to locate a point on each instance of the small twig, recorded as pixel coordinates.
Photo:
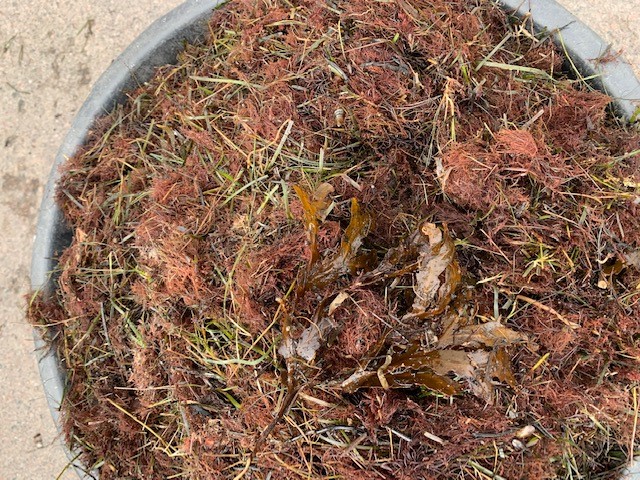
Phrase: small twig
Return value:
(545, 308)
(486, 471)
(167, 447)
(632, 440)
(244, 470)
(532, 120)
(288, 401)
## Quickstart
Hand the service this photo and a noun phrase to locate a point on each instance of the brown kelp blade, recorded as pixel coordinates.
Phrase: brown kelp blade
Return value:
(499, 367)
(437, 259)
(357, 230)
(347, 259)
(417, 367)
(406, 379)
(315, 207)
(428, 252)
(487, 334)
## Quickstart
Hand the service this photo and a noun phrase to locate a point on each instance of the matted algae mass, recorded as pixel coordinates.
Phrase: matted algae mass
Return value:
(353, 239)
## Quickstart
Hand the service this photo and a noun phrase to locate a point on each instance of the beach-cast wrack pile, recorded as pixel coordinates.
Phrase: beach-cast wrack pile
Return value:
(360, 240)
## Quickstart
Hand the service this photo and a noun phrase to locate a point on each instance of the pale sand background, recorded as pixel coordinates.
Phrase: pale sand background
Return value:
(51, 52)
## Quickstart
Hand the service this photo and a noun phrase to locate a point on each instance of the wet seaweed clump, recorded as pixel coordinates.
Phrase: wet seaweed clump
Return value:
(357, 240)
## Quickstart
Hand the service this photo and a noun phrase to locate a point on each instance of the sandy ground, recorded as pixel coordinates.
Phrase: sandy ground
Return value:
(51, 52)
